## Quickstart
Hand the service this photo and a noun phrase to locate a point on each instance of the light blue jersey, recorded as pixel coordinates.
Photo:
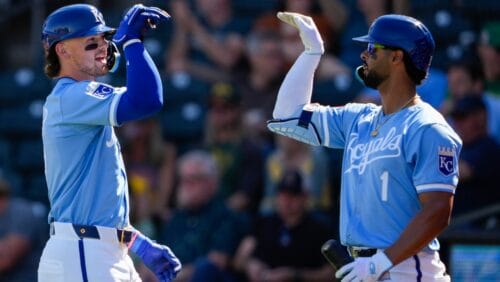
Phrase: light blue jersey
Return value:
(83, 165)
(415, 151)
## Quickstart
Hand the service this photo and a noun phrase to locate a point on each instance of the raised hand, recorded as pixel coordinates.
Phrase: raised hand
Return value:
(138, 20)
(308, 31)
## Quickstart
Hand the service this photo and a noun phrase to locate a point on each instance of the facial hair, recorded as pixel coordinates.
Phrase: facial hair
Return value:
(372, 79)
(91, 69)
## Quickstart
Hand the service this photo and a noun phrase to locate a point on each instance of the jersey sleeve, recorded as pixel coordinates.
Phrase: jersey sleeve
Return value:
(335, 123)
(90, 102)
(434, 153)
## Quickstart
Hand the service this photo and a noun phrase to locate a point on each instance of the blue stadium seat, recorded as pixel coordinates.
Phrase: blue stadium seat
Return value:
(36, 188)
(23, 85)
(4, 152)
(452, 33)
(183, 117)
(29, 156)
(14, 180)
(23, 120)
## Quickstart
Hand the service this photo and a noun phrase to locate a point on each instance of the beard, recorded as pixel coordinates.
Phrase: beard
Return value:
(372, 79)
(92, 69)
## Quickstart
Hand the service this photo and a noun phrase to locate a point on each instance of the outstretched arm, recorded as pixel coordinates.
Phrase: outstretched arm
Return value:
(296, 89)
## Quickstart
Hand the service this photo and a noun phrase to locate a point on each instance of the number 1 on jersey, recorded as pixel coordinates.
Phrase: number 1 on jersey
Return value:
(385, 185)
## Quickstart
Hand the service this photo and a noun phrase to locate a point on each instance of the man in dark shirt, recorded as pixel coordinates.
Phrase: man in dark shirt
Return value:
(286, 246)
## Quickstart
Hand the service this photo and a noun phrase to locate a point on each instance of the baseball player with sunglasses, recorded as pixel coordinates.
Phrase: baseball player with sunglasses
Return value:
(87, 183)
(400, 163)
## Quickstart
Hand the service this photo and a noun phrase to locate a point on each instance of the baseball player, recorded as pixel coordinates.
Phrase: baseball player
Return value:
(399, 169)
(87, 183)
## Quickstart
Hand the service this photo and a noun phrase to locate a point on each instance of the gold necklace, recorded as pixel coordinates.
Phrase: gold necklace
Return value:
(374, 132)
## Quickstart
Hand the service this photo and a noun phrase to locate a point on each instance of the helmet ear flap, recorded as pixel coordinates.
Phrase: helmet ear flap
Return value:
(113, 57)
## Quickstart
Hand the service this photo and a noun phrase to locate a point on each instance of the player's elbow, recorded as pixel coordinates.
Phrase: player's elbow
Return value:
(442, 215)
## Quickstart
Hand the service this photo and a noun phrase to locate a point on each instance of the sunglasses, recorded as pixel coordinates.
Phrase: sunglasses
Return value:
(372, 48)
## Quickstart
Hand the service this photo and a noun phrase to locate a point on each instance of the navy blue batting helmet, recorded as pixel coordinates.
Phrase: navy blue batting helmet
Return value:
(78, 20)
(403, 32)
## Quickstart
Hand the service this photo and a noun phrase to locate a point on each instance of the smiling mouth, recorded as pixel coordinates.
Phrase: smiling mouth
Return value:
(101, 60)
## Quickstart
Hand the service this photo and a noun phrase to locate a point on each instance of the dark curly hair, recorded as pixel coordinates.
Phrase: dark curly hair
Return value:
(416, 75)
(52, 65)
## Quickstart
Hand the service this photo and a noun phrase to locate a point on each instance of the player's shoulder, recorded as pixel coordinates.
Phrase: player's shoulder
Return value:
(430, 122)
(423, 114)
(94, 89)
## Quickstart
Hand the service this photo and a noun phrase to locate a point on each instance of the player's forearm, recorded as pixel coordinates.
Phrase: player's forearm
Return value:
(296, 89)
(425, 226)
(144, 95)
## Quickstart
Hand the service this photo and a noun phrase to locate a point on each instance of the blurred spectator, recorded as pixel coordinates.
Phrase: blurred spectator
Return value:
(202, 231)
(23, 233)
(260, 83)
(312, 164)
(466, 78)
(489, 52)
(329, 16)
(208, 41)
(479, 164)
(239, 159)
(149, 169)
(285, 246)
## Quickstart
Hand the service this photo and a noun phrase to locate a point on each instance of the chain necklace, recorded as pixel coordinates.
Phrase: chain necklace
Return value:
(374, 132)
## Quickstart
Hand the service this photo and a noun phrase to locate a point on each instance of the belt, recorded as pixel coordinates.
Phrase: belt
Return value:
(92, 232)
(361, 252)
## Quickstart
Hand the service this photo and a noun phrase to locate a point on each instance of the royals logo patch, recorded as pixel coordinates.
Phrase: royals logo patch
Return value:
(446, 160)
(98, 90)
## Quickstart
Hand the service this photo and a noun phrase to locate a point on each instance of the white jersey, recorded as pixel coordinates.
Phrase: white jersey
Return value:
(415, 151)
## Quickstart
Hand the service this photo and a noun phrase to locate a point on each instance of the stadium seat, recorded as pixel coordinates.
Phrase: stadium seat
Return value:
(29, 156)
(183, 117)
(23, 85)
(23, 120)
(36, 188)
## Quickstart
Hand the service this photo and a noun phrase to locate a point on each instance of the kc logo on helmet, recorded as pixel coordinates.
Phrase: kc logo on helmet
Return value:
(446, 160)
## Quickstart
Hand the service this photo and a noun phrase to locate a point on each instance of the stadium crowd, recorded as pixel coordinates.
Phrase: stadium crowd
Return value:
(206, 176)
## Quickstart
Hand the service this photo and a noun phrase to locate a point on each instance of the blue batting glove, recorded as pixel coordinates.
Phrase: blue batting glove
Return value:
(138, 19)
(158, 258)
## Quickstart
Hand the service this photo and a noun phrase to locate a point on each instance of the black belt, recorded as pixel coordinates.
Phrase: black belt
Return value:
(357, 252)
(89, 231)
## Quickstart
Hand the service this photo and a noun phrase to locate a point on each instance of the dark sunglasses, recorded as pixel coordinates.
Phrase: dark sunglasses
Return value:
(372, 48)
